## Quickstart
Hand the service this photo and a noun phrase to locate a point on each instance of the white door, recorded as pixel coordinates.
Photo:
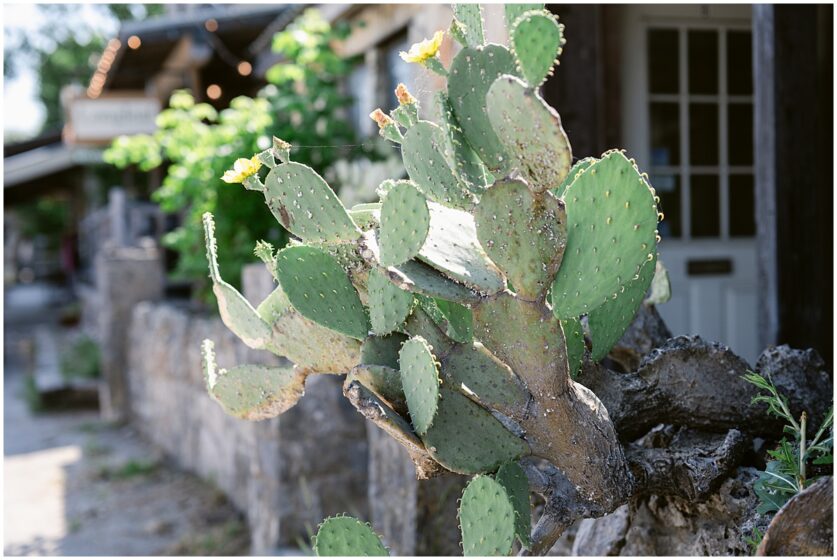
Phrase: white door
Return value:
(687, 106)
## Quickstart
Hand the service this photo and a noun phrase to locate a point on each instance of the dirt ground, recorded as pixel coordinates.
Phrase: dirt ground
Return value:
(77, 486)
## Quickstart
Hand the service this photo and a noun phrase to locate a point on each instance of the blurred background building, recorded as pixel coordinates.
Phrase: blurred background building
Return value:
(747, 229)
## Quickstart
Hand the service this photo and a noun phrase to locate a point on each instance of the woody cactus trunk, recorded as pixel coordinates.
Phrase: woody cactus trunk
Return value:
(468, 309)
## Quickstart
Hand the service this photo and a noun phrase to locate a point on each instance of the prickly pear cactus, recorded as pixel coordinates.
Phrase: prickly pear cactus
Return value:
(462, 305)
(346, 536)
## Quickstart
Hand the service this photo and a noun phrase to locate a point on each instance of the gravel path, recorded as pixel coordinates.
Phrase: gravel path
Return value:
(77, 486)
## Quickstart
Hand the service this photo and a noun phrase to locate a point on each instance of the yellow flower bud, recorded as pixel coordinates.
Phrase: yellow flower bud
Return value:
(428, 48)
(242, 169)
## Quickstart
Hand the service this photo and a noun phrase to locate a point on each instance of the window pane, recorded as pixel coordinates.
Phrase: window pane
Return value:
(740, 133)
(668, 189)
(703, 62)
(356, 87)
(703, 133)
(705, 204)
(665, 134)
(395, 70)
(739, 63)
(663, 61)
(742, 206)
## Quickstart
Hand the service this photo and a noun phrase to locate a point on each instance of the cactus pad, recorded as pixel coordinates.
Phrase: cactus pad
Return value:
(536, 41)
(523, 234)
(487, 518)
(454, 319)
(460, 320)
(312, 346)
(236, 312)
(522, 334)
(382, 350)
(471, 74)
(420, 380)
(574, 335)
(465, 438)
(470, 18)
(421, 279)
(252, 392)
(427, 164)
(306, 206)
(611, 233)
(347, 536)
(575, 171)
(419, 323)
(609, 321)
(466, 163)
(384, 381)
(514, 11)
(389, 305)
(366, 215)
(530, 131)
(660, 286)
(474, 371)
(318, 287)
(452, 248)
(273, 306)
(405, 221)
(516, 484)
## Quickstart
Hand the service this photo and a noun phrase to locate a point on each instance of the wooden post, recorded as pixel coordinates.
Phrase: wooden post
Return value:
(764, 135)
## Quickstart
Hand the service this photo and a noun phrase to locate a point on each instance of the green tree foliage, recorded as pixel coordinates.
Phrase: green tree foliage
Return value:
(300, 105)
(65, 49)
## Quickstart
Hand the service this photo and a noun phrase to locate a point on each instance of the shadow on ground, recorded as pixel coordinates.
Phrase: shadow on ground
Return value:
(75, 485)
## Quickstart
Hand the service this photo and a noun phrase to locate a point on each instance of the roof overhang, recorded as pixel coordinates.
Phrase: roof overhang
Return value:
(47, 160)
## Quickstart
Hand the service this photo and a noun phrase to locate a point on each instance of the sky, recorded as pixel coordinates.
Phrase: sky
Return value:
(22, 112)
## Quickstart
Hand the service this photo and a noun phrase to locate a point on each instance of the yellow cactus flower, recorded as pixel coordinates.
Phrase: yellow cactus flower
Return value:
(424, 50)
(404, 97)
(381, 118)
(242, 169)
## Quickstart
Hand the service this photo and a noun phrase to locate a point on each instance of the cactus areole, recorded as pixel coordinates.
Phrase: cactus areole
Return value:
(458, 306)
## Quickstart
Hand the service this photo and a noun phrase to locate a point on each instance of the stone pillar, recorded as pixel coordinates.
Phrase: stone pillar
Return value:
(415, 517)
(256, 283)
(764, 138)
(117, 214)
(124, 277)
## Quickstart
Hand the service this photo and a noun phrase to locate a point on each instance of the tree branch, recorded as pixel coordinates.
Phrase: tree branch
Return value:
(694, 383)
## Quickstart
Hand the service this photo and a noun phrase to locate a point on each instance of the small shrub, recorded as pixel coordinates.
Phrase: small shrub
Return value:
(81, 359)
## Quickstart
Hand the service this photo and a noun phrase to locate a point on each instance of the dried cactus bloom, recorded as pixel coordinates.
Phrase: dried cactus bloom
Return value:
(381, 118)
(424, 50)
(243, 168)
(281, 150)
(403, 95)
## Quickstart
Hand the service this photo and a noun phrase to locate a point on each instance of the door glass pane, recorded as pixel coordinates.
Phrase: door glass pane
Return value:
(361, 103)
(703, 133)
(705, 206)
(739, 63)
(668, 189)
(665, 134)
(740, 133)
(395, 71)
(742, 206)
(703, 61)
(663, 60)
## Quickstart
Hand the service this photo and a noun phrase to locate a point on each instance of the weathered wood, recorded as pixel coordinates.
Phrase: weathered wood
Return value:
(803, 79)
(804, 525)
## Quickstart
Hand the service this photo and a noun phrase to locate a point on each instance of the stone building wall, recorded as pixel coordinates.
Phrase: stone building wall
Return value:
(285, 474)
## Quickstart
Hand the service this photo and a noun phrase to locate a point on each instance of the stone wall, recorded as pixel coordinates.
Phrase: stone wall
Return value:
(124, 276)
(285, 474)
